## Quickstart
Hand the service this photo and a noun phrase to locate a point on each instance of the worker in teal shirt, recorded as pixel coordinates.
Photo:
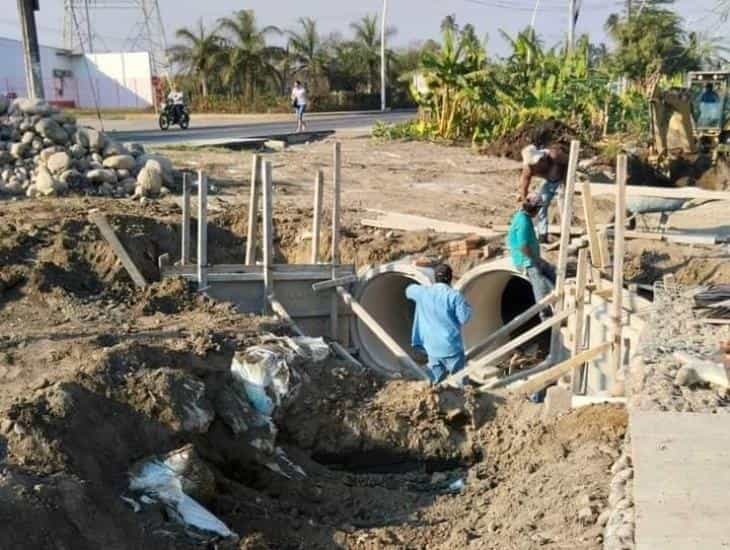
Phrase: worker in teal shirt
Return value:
(525, 250)
(441, 311)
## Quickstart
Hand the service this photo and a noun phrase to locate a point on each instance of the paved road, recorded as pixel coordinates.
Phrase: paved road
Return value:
(226, 130)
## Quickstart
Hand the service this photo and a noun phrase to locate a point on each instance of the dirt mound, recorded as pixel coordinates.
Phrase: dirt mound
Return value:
(550, 132)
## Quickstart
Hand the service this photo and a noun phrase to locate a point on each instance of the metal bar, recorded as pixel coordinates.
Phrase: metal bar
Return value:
(266, 176)
(202, 231)
(253, 208)
(185, 252)
(336, 181)
(333, 283)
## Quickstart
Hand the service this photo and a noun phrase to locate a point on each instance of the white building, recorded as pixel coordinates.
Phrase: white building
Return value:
(107, 80)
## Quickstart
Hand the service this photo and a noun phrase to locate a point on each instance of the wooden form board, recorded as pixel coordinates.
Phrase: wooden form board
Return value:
(101, 221)
(681, 480)
(598, 189)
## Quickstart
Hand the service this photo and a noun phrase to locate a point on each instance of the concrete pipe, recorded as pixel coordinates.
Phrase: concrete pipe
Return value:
(382, 292)
(497, 294)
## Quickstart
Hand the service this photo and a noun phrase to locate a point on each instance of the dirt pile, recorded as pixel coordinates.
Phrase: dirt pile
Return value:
(551, 132)
(43, 152)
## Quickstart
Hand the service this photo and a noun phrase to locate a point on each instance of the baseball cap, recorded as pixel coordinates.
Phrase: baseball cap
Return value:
(531, 155)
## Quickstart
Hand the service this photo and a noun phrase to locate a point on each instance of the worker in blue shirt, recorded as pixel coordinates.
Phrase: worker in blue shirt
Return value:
(441, 311)
(525, 250)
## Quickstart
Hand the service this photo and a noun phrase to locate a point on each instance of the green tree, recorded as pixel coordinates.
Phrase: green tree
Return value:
(199, 54)
(366, 45)
(712, 51)
(651, 41)
(250, 63)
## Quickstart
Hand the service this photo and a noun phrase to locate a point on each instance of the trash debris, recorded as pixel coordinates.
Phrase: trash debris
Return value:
(457, 486)
(266, 376)
(158, 480)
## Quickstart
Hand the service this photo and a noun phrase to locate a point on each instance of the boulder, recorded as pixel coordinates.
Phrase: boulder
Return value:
(90, 139)
(149, 182)
(27, 138)
(163, 164)
(50, 129)
(29, 106)
(119, 162)
(135, 149)
(113, 149)
(18, 150)
(59, 162)
(101, 175)
(46, 185)
(46, 153)
(78, 151)
(128, 185)
(70, 178)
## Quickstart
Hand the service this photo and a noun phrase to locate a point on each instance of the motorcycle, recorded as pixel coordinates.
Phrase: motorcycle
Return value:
(172, 114)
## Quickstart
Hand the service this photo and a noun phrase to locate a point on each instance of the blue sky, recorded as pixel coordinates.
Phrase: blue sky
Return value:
(414, 19)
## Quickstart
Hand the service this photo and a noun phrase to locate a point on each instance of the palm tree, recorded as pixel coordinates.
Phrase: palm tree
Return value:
(713, 52)
(250, 61)
(367, 43)
(198, 53)
(306, 49)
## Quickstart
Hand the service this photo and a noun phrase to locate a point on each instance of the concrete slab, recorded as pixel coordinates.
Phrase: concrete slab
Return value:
(681, 480)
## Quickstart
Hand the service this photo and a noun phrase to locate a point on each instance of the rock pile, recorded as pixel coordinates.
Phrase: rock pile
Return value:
(44, 153)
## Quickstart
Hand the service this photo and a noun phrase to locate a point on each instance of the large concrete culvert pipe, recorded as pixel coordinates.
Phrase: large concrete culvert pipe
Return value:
(497, 294)
(382, 292)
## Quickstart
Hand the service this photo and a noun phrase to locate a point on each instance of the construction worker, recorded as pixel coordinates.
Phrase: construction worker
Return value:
(441, 311)
(550, 164)
(525, 249)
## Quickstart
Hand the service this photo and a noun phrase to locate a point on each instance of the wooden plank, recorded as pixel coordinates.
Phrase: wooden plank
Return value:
(618, 267)
(566, 216)
(101, 222)
(581, 280)
(591, 229)
(253, 210)
(278, 308)
(317, 216)
(268, 227)
(681, 480)
(598, 189)
(403, 358)
(409, 222)
(509, 346)
(185, 229)
(345, 355)
(605, 253)
(202, 266)
(334, 283)
(513, 325)
(336, 183)
(553, 374)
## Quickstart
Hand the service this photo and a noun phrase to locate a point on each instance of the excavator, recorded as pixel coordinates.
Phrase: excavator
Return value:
(690, 130)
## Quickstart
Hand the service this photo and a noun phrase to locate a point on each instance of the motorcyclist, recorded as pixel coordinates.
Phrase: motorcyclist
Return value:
(177, 99)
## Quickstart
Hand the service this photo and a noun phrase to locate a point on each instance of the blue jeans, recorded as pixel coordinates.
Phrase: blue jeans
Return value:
(542, 277)
(547, 194)
(441, 367)
(300, 111)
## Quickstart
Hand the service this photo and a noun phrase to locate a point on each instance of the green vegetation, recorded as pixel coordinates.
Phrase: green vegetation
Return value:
(240, 65)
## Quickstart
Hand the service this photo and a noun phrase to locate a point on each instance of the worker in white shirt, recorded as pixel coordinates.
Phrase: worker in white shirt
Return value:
(299, 102)
(177, 99)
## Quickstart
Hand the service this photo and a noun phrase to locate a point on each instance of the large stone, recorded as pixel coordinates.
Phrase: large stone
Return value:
(48, 152)
(71, 178)
(161, 163)
(50, 129)
(18, 150)
(59, 162)
(114, 149)
(90, 139)
(46, 185)
(120, 162)
(29, 106)
(27, 138)
(557, 402)
(102, 175)
(149, 182)
(78, 151)
(135, 149)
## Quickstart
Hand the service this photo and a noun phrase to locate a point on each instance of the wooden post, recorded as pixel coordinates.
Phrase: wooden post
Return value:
(202, 231)
(108, 233)
(604, 252)
(564, 242)
(185, 252)
(268, 228)
(336, 181)
(591, 228)
(579, 325)
(618, 268)
(253, 210)
(514, 324)
(403, 358)
(317, 221)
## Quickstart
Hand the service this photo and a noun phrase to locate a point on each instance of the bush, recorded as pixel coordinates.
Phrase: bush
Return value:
(410, 130)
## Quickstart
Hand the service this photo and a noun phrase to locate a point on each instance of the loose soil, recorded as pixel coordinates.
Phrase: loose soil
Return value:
(97, 376)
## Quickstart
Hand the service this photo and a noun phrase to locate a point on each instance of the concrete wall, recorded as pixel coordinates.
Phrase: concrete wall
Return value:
(118, 80)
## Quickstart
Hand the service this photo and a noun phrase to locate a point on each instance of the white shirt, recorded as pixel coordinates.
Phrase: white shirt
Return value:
(177, 98)
(300, 94)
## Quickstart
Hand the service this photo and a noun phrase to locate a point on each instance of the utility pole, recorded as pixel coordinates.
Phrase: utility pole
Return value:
(571, 26)
(31, 51)
(628, 9)
(383, 67)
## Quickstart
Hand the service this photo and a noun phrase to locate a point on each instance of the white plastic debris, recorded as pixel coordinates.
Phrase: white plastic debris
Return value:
(457, 486)
(158, 480)
(266, 376)
(316, 348)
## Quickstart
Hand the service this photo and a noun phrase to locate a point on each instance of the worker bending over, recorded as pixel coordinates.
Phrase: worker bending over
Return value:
(441, 311)
(550, 164)
(525, 250)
